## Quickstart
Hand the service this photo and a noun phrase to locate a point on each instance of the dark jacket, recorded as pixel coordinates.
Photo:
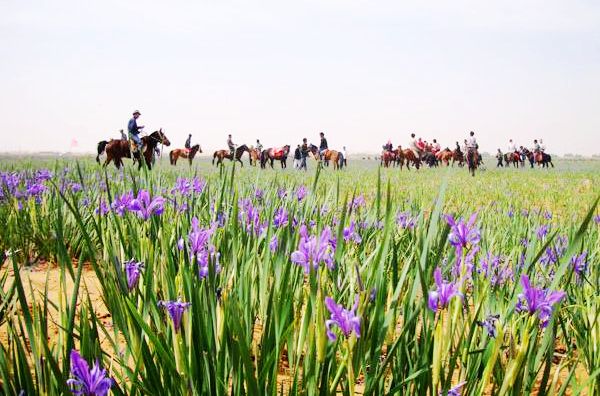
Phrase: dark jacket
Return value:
(323, 145)
(297, 153)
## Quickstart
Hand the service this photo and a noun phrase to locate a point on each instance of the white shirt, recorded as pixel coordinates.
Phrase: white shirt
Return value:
(512, 147)
(471, 142)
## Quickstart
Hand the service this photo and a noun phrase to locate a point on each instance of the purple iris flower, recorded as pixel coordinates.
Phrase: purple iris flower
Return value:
(465, 266)
(495, 270)
(455, 391)
(182, 186)
(489, 324)
(540, 301)
(542, 231)
(121, 203)
(445, 291)
(312, 250)
(281, 193)
(555, 252)
(345, 319)
(350, 234)
(510, 213)
(86, 382)
(405, 220)
(463, 233)
(597, 219)
(102, 208)
(145, 207)
(75, 187)
(175, 310)
(198, 185)
(43, 175)
(280, 218)
(357, 202)
(133, 269)
(200, 248)
(579, 264)
(547, 215)
(301, 193)
(274, 244)
(259, 194)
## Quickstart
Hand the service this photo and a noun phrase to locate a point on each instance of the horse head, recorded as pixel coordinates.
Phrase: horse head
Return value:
(160, 137)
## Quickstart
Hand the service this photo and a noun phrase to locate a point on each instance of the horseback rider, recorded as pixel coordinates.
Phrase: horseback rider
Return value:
(512, 148)
(231, 145)
(123, 136)
(188, 142)
(388, 146)
(542, 146)
(536, 146)
(259, 145)
(414, 145)
(323, 145)
(134, 130)
(458, 150)
(471, 143)
(435, 147)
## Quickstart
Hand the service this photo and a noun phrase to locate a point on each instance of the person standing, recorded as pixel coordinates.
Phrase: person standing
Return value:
(123, 136)
(188, 142)
(345, 154)
(500, 159)
(134, 130)
(304, 153)
(297, 157)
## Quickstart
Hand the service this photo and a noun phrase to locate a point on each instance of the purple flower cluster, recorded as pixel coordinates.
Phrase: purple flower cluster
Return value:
(496, 270)
(579, 264)
(345, 319)
(280, 218)
(249, 216)
(357, 202)
(145, 206)
(537, 301)
(200, 248)
(313, 250)
(445, 291)
(542, 231)
(175, 310)
(86, 382)
(555, 251)
(489, 324)
(405, 220)
(301, 193)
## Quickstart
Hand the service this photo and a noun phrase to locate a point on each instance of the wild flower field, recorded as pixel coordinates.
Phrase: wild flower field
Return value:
(229, 281)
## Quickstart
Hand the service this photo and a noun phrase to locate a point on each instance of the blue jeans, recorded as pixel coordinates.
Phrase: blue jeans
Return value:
(136, 139)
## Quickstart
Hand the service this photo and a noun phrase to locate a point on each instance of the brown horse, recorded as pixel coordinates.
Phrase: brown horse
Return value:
(254, 156)
(219, 155)
(512, 158)
(272, 154)
(472, 160)
(334, 156)
(116, 150)
(457, 156)
(174, 155)
(409, 157)
(444, 156)
(388, 158)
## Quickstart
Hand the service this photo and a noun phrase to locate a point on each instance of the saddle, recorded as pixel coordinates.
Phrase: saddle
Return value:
(276, 152)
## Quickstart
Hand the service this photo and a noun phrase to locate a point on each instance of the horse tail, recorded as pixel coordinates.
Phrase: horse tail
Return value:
(214, 156)
(341, 160)
(101, 148)
(171, 155)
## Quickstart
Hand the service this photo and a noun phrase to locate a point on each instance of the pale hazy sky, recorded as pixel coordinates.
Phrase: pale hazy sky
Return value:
(361, 71)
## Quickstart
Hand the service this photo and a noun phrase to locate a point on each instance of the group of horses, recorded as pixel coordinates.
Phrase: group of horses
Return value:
(517, 159)
(281, 154)
(400, 157)
(117, 149)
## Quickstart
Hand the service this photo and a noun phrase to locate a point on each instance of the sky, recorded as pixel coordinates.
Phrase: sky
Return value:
(363, 72)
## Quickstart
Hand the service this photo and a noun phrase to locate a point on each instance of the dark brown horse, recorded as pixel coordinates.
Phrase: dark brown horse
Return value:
(458, 156)
(272, 154)
(219, 155)
(174, 155)
(444, 156)
(472, 160)
(116, 150)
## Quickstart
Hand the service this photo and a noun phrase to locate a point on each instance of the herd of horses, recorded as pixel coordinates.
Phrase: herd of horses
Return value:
(117, 149)
(401, 157)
